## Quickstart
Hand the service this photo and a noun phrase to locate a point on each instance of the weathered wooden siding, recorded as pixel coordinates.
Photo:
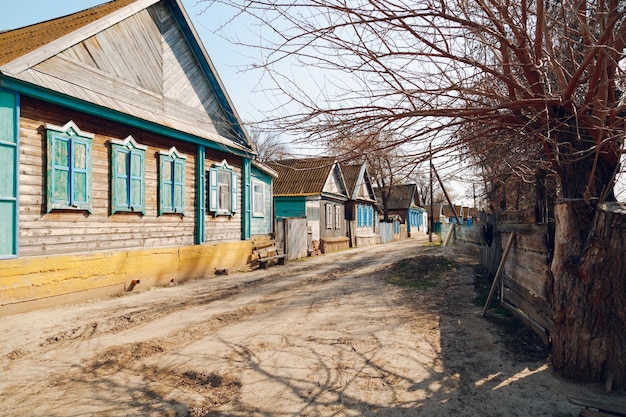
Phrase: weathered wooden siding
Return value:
(142, 66)
(58, 232)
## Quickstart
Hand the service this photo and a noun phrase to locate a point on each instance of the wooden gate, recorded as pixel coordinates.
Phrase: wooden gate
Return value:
(293, 232)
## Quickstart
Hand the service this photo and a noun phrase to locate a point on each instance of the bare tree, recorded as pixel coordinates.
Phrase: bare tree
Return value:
(268, 146)
(386, 165)
(534, 82)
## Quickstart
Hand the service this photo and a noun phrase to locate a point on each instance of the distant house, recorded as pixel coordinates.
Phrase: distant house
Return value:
(404, 202)
(313, 189)
(123, 158)
(361, 207)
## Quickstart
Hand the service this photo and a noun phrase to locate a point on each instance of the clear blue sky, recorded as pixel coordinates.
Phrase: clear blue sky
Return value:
(227, 58)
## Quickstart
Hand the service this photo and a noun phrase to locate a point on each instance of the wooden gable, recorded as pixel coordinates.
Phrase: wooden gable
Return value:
(143, 60)
(335, 183)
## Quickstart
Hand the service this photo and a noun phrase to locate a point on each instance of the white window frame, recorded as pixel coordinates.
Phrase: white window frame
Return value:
(256, 210)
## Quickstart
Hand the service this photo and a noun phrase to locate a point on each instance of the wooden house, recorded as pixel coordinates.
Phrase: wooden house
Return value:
(124, 161)
(361, 207)
(313, 189)
(404, 202)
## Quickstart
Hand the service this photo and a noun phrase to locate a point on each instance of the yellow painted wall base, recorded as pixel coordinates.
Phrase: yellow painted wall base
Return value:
(30, 283)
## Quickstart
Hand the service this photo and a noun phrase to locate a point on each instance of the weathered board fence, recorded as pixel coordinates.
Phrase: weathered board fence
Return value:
(522, 286)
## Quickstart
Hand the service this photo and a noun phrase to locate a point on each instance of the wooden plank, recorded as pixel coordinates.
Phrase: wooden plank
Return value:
(536, 262)
(537, 328)
(494, 285)
(601, 406)
(530, 242)
(532, 306)
(533, 281)
(524, 228)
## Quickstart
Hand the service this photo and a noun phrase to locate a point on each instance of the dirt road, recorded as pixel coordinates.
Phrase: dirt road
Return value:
(327, 336)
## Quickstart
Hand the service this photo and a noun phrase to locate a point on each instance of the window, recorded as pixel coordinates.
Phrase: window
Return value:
(329, 216)
(258, 198)
(69, 168)
(359, 215)
(128, 176)
(171, 182)
(222, 186)
(338, 217)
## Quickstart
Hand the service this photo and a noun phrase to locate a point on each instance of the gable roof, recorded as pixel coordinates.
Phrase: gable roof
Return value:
(356, 176)
(401, 196)
(304, 177)
(140, 61)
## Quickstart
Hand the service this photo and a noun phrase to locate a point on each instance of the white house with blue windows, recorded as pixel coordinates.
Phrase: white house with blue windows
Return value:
(122, 158)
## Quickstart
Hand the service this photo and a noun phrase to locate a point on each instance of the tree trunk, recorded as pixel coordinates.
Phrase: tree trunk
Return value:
(589, 293)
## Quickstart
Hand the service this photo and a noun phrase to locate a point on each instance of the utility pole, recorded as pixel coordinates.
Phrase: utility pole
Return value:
(431, 220)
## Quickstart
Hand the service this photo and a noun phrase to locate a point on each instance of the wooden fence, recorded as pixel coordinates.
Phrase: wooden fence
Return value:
(522, 286)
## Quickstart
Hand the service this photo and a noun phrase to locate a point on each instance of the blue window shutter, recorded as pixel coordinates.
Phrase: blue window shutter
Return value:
(136, 174)
(119, 185)
(59, 184)
(166, 185)
(213, 196)
(81, 173)
(127, 179)
(178, 198)
(358, 215)
(234, 193)
(9, 172)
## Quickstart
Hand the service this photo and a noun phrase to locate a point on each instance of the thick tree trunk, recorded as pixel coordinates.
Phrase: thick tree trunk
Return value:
(589, 293)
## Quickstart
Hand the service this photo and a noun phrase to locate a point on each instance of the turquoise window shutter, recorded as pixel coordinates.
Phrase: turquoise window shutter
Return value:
(128, 176)
(59, 163)
(69, 168)
(9, 170)
(120, 189)
(234, 193)
(213, 194)
(166, 185)
(137, 196)
(179, 186)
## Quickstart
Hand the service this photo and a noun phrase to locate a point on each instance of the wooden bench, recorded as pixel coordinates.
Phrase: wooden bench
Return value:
(603, 409)
(267, 252)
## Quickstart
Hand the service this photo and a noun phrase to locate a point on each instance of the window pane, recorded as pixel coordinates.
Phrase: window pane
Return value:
(122, 163)
(80, 155)
(136, 164)
(167, 170)
(80, 187)
(167, 196)
(61, 186)
(61, 152)
(178, 173)
(223, 177)
(121, 192)
(224, 192)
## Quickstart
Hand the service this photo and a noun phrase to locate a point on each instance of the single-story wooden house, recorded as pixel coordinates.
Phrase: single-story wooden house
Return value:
(361, 207)
(124, 162)
(404, 202)
(314, 189)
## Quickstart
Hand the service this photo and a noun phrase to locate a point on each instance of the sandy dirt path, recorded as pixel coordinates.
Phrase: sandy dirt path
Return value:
(326, 336)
